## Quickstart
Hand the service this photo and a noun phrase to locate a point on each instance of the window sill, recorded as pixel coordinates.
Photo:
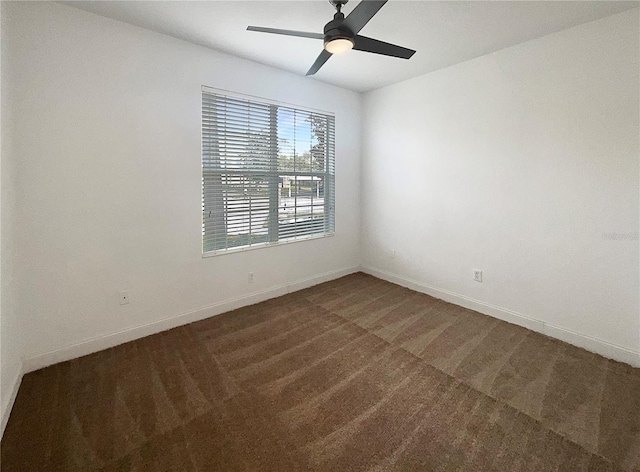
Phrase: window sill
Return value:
(265, 245)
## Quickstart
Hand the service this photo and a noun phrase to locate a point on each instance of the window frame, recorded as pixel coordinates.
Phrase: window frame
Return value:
(328, 172)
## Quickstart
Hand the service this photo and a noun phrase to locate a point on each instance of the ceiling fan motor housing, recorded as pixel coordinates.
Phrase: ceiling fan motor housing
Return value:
(334, 30)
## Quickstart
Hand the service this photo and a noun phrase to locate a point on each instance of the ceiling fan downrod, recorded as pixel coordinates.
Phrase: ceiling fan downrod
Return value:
(338, 4)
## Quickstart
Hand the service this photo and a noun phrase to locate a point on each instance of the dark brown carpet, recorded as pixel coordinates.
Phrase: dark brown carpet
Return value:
(354, 374)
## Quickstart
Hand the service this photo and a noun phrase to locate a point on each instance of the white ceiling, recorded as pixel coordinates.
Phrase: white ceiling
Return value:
(442, 32)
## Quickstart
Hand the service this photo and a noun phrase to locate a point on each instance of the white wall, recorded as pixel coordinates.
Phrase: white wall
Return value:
(107, 138)
(516, 163)
(11, 336)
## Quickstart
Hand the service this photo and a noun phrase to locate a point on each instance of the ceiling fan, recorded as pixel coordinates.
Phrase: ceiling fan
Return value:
(341, 34)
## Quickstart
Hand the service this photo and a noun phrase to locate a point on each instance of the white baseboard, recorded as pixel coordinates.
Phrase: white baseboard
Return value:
(589, 343)
(100, 343)
(8, 406)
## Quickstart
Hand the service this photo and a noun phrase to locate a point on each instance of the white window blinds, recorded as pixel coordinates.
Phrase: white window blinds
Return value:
(268, 172)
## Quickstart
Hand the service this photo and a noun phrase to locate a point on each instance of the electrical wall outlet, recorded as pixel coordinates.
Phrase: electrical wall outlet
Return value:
(123, 296)
(477, 275)
(250, 277)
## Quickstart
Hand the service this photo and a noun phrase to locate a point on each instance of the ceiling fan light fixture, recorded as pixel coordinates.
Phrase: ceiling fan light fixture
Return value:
(339, 45)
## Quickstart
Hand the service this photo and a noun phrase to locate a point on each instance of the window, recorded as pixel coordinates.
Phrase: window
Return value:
(267, 172)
